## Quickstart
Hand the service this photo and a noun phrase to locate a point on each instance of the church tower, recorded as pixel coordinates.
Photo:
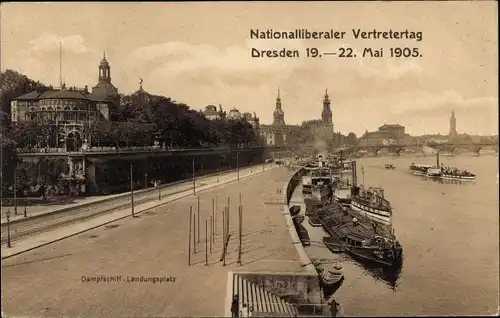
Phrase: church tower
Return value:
(453, 125)
(279, 115)
(326, 114)
(104, 71)
(104, 90)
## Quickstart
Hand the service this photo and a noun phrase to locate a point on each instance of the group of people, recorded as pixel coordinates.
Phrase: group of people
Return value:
(455, 172)
(245, 311)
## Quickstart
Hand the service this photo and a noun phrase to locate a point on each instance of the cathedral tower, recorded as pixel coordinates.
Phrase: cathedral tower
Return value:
(326, 114)
(279, 115)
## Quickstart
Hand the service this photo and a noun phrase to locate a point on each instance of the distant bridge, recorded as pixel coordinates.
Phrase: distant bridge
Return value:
(451, 148)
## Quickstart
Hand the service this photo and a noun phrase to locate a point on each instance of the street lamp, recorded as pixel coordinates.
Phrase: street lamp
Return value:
(132, 189)
(7, 214)
(25, 202)
(15, 190)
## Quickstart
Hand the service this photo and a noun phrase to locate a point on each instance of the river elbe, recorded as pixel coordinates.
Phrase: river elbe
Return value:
(450, 236)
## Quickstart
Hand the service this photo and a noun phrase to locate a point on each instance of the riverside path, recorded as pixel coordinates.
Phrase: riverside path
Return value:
(53, 280)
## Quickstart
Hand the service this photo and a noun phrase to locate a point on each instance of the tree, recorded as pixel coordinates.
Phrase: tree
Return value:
(351, 139)
(13, 85)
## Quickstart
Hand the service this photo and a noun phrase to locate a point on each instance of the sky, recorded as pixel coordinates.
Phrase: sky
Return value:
(200, 54)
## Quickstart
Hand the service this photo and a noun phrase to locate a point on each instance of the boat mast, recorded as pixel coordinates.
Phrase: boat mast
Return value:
(354, 176)
(60, 64)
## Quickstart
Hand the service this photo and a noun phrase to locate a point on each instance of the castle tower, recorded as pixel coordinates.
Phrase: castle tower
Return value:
(326, 114)
(453, 125)
(278, 114)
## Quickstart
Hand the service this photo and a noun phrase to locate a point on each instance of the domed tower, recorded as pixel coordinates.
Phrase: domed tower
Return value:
(278, 114)
(326, 114)
(104, 90)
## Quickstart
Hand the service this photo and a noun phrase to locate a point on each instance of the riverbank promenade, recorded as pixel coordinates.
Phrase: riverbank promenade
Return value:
(138, 267)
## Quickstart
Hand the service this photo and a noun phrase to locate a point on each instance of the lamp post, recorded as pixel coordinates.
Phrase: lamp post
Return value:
(132, 189)
(25, 202)
(7, 214)
(15, 190)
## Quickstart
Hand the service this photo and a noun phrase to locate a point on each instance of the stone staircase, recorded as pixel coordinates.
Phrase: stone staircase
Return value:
(265, 304)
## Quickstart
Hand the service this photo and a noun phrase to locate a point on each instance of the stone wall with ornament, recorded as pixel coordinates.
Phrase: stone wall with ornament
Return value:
(298, 288)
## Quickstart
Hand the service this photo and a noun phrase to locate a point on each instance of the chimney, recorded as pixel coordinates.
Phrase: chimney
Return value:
(86, 89)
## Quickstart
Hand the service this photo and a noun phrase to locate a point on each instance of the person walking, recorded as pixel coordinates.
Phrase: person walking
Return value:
(235, 306)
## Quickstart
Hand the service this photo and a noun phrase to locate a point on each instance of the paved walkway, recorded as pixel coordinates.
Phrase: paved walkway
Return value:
(65, 203)
(50, 281)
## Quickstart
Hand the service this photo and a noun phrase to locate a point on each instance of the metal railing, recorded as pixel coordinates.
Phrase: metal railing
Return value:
(131, 149)
(282, 309)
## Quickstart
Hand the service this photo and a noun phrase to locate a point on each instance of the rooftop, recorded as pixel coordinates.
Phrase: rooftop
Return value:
(59, 93)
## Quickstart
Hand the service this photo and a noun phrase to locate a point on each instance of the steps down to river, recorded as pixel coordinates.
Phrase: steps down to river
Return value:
(265, 304)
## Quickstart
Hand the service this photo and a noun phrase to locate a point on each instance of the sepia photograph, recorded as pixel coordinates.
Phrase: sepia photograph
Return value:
(249, 159)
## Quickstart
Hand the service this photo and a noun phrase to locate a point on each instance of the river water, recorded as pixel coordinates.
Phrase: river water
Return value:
(450, 236)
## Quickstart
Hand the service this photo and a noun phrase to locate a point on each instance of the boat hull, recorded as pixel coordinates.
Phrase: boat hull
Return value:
(419, 173)
(371, 255)
(461, 178)
(320, 193)
(372, 213)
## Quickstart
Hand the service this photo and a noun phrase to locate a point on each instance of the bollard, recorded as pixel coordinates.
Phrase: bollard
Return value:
(206, 242)
(223, 226)
(240, 229)
(227, 217)
(189, 248)
(198, 219)
(8, 228)
(194, 231)
(216, 208)
(212, 224)
(132, 190)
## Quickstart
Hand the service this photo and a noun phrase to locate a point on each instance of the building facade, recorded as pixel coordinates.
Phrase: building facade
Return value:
(385, 135)
(253, 120)
(71, 110)
(211, 112)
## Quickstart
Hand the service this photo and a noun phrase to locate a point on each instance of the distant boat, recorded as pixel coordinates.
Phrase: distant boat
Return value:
(419, 170)
(435, 171)
(390, 166)
(457, 175)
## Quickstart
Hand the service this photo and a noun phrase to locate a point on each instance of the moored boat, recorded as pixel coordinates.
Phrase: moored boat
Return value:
(314, 221)
(371, 203)
(321, 185)
(306, 184)
(360, 240)
(301, 231)
(342, 191)
(331, 276)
